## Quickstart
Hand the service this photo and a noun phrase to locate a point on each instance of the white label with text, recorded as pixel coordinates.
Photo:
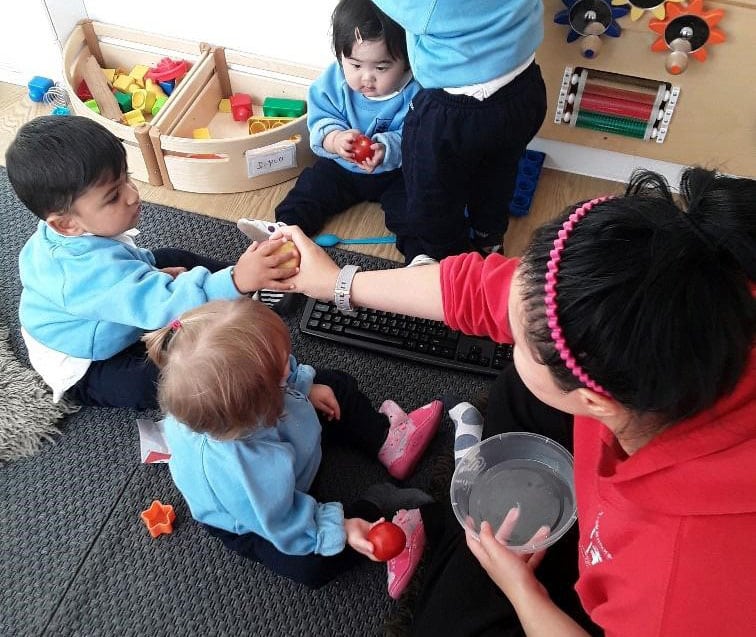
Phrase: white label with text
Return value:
(269, 159)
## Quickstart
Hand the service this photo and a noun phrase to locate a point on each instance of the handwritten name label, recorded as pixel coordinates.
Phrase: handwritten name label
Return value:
(269, 159)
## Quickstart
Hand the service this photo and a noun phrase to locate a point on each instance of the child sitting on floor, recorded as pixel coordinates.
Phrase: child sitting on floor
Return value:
(244, 427)
(366, 91)
(88, 292)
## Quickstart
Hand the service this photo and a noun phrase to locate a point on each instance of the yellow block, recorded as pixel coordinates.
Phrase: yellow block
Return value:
(224, 106)
(154, 88)
(201, 133)
(134, 118)
(260, 123)
(138, 73)
(109, 75)
(123, 82)
(143, 100)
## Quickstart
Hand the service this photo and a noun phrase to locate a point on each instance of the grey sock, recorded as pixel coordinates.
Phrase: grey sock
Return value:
(468, 428)
(389, 498)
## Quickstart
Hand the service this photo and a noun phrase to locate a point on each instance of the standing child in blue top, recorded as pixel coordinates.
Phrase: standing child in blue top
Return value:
(244, 427)
(89, 292)
(482, 100)
(367, 91)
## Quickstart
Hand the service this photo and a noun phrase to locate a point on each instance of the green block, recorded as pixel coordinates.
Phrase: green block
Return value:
(93, 105)
(124, 101)
(280, 107)
(159, 102)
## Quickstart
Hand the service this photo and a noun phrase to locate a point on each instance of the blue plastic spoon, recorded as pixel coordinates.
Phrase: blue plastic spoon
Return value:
(330, 240)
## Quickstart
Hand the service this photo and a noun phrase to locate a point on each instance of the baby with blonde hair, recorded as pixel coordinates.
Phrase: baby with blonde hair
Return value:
(244, 423)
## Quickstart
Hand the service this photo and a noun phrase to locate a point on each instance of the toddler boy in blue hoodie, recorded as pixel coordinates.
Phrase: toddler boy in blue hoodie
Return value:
(89, 293)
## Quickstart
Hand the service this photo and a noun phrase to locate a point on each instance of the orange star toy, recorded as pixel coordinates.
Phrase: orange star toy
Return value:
(158, 518)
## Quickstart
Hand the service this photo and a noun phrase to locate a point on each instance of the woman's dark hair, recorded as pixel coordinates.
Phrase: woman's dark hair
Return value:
(372, 23)
(654, 300)
(55, 159)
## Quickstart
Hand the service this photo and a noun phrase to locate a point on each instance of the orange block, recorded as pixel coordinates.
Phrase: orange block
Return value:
(158, 518)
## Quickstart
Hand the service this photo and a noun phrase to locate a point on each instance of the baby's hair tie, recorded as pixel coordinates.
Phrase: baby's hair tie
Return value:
(175, 325)
(358, 35)
(550, 289)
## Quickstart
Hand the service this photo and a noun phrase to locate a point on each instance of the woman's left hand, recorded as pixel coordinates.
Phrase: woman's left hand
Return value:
(324, 400)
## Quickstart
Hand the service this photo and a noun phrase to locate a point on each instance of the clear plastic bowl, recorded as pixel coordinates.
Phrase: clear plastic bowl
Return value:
(517, 470)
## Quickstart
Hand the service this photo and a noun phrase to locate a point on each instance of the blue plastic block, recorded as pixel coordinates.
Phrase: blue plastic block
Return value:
(38, 86)
(61, 110)
(168, 86)
(528, 172)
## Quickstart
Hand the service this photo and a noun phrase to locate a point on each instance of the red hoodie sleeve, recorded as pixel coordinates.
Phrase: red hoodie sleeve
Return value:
(475, 294)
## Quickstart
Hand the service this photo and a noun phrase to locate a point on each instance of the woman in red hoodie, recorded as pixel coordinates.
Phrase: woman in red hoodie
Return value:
(637, 317)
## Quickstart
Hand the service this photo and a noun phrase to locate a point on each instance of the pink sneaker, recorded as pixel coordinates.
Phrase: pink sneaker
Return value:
(403, 566)
(408, 436)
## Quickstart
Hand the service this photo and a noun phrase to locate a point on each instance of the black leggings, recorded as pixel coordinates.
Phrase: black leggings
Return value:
(364, 428)
(129, 378)
(458, 598)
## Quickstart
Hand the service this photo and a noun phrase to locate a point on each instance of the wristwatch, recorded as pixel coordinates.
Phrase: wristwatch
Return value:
(343, 290)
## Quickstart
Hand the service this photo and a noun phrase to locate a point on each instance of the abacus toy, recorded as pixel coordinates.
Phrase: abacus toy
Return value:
(589, 20)
(685, 32)
(613, 103)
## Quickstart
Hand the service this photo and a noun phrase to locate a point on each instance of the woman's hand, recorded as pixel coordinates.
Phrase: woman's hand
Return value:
(512, 572)
(324, 400)
(317, 271)
(357, 530)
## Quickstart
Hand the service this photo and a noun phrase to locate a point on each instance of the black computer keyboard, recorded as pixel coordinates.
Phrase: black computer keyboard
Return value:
(405, 336)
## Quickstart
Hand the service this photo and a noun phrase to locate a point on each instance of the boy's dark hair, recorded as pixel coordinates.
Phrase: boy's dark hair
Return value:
(55, 159)
(372, 24)
(655, 301)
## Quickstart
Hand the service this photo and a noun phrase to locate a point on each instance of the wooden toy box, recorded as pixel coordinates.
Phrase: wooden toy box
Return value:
(121, 48)
(232, 160)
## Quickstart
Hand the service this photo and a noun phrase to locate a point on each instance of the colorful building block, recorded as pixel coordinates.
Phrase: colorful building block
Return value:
(134, 118)
(138, 73)
(280, 107)
(122, 82)
(158, 518)
(38, 86)
(93, 105)
(224, 106)
(153, 87)
(159, 103)
(241, 106)
(109, 75)
(528, 172)
(143, 100)
(201, 133)
(124, 101)
(259, 124)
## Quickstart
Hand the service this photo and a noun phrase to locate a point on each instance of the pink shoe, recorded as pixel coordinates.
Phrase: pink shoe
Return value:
(403, 566)
(408, 436)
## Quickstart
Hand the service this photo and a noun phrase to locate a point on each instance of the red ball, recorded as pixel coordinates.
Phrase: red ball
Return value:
(388, 540)
(361, 148)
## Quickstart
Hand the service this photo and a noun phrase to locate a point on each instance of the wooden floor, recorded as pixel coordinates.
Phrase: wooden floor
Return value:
(555, 191)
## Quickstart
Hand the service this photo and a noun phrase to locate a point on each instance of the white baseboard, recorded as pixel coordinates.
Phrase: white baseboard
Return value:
(604, 164)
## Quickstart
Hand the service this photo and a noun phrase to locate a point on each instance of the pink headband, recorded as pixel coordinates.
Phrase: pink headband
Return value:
(551, 302)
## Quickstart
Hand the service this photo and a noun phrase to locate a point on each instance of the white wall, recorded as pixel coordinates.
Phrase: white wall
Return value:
(294, 30)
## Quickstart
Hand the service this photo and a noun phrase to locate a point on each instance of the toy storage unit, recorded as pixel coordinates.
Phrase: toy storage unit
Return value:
(116, 47)
(233, 160)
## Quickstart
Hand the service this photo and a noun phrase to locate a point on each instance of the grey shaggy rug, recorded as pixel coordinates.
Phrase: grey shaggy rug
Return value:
(75, 559)
(28, 416)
